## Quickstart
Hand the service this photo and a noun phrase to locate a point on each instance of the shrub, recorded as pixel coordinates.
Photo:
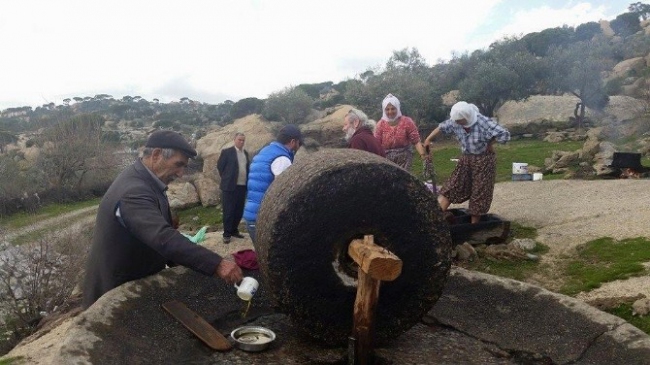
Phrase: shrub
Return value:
(37, 278)
(245, 107)
(291, 105)
(614, 86)
(626, 24)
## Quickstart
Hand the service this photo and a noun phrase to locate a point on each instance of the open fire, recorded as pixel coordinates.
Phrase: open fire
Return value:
(628, 166)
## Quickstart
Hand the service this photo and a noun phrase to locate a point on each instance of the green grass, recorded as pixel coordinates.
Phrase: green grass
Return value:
(532, 152)
(23, 219)
(514, 269)
(11, 361)
(604, 260)
(32, 236)
(192, 219)
(519, 231)
(625, 311)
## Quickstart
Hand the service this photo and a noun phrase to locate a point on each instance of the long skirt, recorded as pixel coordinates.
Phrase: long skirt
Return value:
(402, 156)
(472, 179)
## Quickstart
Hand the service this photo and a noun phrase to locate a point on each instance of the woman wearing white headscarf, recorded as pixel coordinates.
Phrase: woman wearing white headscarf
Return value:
(397, 133)
(474, 176)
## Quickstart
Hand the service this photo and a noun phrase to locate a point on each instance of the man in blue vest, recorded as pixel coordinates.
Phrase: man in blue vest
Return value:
(270, 162)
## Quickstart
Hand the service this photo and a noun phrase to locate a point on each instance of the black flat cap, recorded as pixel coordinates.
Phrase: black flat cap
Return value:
(170, 139)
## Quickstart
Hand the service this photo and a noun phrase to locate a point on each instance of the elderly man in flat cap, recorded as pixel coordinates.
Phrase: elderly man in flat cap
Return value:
(134, 236)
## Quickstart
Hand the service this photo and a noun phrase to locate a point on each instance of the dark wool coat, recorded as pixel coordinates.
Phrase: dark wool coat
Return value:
(140, 242)
(228, 168)
(363, 139)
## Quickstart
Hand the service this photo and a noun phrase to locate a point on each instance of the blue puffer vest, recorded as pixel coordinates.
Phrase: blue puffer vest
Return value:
(260, 177)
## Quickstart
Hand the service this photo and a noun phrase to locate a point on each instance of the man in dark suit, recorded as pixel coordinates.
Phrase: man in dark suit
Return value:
(233, 166)
(134, 234)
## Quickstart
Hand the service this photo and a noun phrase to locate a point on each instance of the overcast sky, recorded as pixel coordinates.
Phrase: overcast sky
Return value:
(215, 50)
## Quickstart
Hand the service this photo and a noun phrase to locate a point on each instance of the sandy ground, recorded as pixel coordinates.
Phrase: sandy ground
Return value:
(566, 213)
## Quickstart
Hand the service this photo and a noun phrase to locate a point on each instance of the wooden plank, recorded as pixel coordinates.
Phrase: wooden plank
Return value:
(375, 264)
(364, 310)
(374, 260)
(197, 325)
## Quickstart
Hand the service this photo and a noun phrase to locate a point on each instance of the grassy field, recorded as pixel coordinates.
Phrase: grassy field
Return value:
(532, 152)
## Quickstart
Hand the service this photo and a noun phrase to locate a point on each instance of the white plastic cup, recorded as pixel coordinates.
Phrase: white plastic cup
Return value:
(247, 288)
(430, 186)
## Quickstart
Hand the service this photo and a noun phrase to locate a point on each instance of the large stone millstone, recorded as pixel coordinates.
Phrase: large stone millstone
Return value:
(309, 216)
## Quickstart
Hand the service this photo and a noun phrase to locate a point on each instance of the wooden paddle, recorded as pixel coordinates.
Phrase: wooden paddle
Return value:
(197, 325)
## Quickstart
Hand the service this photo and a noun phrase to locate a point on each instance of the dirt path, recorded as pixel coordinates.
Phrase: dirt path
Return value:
(58, 223)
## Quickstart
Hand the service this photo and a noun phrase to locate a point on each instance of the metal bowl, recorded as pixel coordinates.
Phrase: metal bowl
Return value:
(252, 338)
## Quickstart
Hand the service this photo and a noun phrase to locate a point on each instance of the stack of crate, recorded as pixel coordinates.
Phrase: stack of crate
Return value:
(520, 172)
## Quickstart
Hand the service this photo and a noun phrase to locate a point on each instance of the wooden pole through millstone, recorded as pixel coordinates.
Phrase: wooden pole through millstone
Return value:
(376, 264)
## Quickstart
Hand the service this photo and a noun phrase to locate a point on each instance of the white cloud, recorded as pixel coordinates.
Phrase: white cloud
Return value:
(218, 49)
(538, 19)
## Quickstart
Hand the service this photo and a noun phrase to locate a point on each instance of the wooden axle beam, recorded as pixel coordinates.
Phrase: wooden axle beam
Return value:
(376, 264)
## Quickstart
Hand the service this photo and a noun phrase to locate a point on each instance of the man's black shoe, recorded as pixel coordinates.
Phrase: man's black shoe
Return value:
(226, 240)
(238, 235)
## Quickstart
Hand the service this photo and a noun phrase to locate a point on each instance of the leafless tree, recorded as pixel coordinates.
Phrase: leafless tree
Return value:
(72, 149)
(38, 277)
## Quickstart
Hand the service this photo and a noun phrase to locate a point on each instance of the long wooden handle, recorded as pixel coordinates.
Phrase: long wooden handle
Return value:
(197, 325)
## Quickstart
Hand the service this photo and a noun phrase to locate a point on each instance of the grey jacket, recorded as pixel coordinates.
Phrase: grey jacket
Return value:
(141, 241)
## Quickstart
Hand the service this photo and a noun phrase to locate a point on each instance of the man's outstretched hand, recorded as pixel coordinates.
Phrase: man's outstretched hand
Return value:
(229, 272)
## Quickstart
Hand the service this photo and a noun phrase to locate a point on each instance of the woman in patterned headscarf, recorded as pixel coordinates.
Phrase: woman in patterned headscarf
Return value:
(474, 175)
(397, 133)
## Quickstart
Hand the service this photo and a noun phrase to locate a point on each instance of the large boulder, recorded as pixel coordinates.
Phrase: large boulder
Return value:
(327, 130)
(549, 108)
(207, 189)
(258, 133)
(636, 88)
(624, 68)
(621, 108)
(182, 194)
(537, 109)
